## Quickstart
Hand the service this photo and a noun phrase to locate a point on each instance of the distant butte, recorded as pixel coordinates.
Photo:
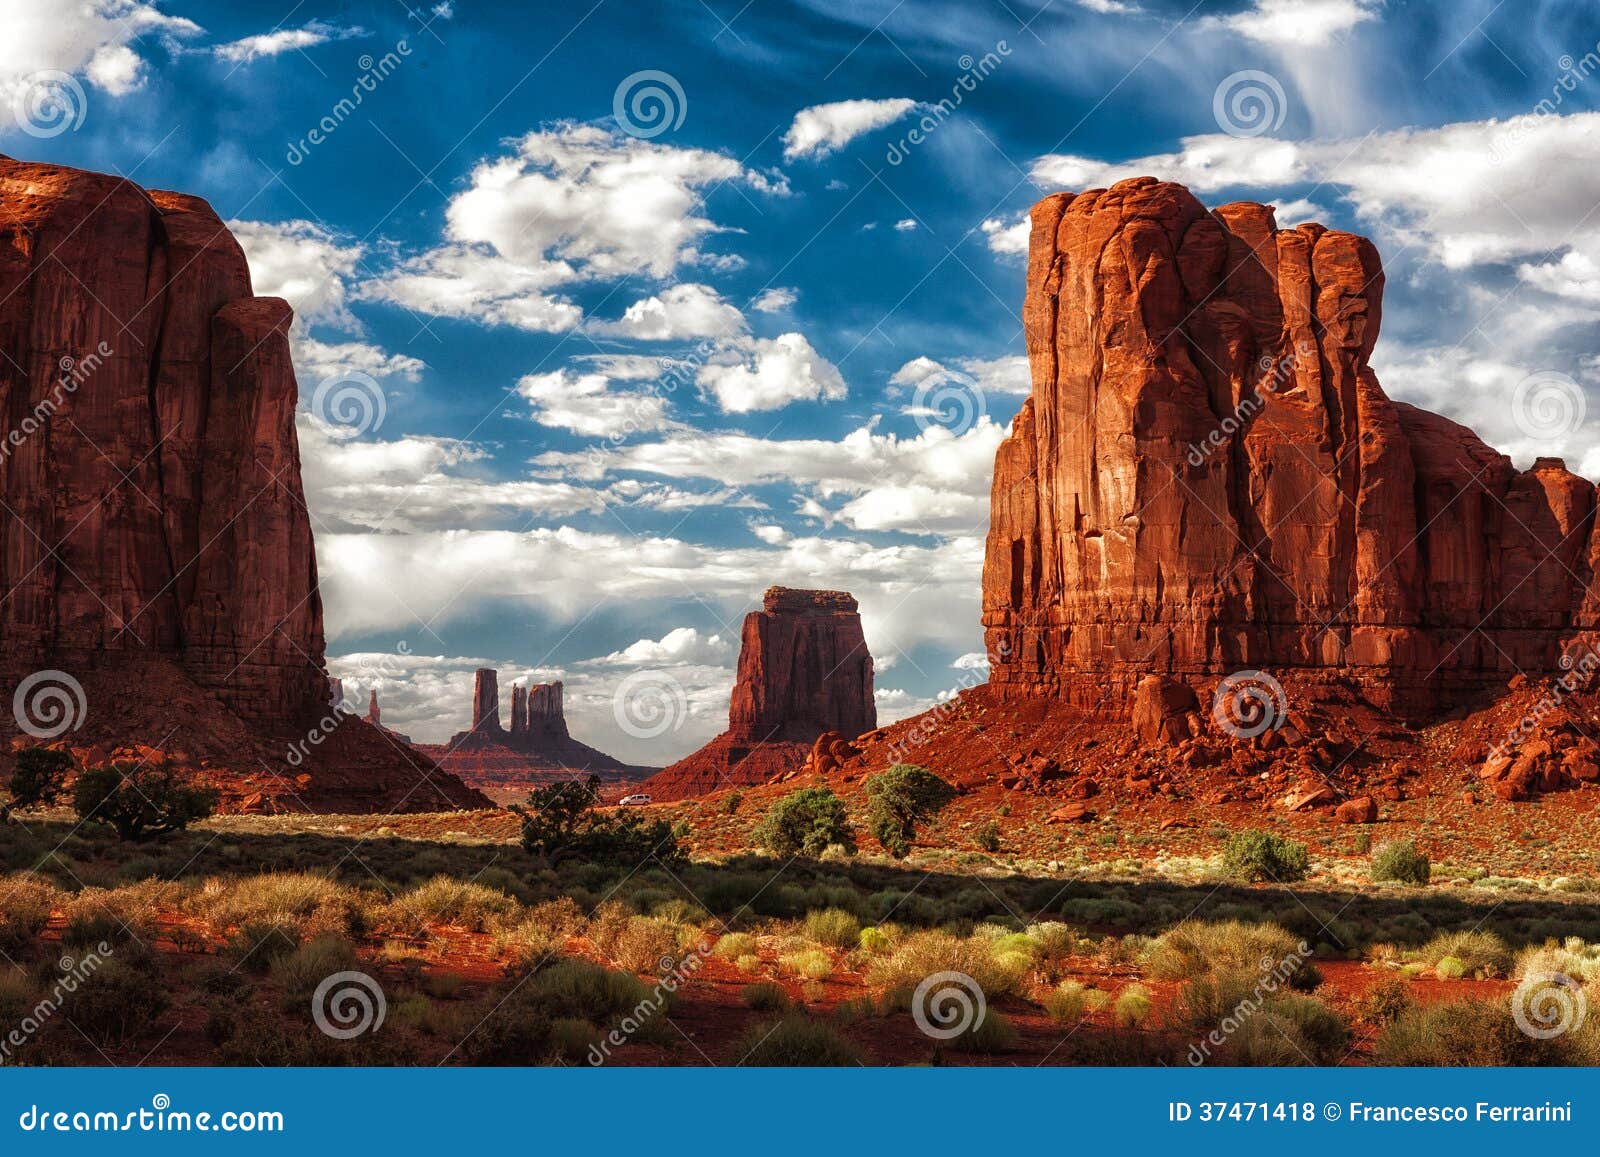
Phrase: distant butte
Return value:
(804, 671)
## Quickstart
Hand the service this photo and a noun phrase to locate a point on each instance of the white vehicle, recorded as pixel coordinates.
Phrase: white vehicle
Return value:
(634, 800)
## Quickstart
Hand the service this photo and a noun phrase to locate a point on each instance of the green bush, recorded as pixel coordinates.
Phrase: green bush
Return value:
(988, 836)
(833, 926)
(1132, 1007)
(1468, 1033)
(989, 1034)
(1479, 953)
(794, 1041)
(40, 775)
(141, 800)
(899, 800)
(1399, 860)
(811, 963)
(805, 822)
(1067, 1002)
(298, 973)
(765, 997)
(1257, 856)
(561, 822)
(120, 1000)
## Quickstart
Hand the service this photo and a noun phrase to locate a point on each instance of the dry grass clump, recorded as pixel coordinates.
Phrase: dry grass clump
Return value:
(1198, 948)
(444, 900)
(922, 954)
(312, 903)
(26, 902)
(1460, 953)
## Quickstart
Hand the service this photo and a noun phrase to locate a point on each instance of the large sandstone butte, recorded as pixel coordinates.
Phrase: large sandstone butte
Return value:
(536, 748)
(1207, 476)
(154, 544)
(804, 671)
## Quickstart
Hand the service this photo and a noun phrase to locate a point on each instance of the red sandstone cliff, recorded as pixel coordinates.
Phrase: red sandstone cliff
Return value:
(1207, 476)
(804, 670)
(155, 544)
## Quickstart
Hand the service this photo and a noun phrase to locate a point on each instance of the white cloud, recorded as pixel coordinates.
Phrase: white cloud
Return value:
(1008, 237)
(573, 203)
(682, 311)
(305, 265)
(1108, 7)
(771, 534)
(775, 300)
(972, 661)
(769, 373)
(280, 40)
(1296, 23)
(588, 404)
(935, 483)
(116, 69)
(316, 361)
(1298, 212)
(905, 225)
(827, 128)
(678, 647)
(95, 39)
(1007, 375)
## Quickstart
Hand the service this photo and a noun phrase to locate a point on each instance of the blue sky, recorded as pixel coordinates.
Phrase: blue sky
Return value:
(578, 388)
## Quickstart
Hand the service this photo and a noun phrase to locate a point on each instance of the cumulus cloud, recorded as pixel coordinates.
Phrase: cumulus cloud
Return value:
(1008, 237)
(936, 483)
(100, 40)
(678, 647)
(590, 404)
(775, 300)
(827, 128)
(573, 203)
(1007, 375)
(280, 40)
(304, 264)
(682, 311)
(770, 373)
(1296, 23)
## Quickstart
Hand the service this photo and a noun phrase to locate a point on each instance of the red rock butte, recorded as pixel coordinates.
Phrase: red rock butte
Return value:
(1207, 477)
(804, 671)
(156, 545)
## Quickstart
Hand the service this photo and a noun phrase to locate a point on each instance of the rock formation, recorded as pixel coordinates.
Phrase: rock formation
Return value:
(804, 670)
(374, 716)
(1207, 477)
(536, 749)
(155, 537)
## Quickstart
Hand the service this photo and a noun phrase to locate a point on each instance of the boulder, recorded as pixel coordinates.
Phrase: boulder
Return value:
(1162, 708)
(1361, 810)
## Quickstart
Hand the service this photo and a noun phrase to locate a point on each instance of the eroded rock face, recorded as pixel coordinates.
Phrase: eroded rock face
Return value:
(1207, 476)
(804, 670)
(154, 528)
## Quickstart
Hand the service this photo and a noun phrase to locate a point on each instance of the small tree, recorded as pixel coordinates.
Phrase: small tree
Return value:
(1255, 856)
(1400, 860)
(903, 797)
(40, 776)
(141, 800)
(806, 821)
(560, 822)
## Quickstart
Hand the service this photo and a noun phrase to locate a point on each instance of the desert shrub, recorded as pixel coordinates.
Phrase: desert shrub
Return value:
(571, 1039)
(26, 902)
(40, 775)
(542, 932)
(90, 922)
(577, 988)
(874, 941)
(796, 1040)
(732, 945)
(748, 964)
(606, 925)
(444, 900)
(561, 822)
(1256, 856)
(1132, 1007)
(1197, 947)
(309, 902)
(1318, 1030)
(648, 944)
(1474, 952)
(1055, 939)
(805, 822)
(731, 802)
(1066, 1003)
(833, 926)
(988, 1034)
(1467, 1032)
(765, 997)
(1399, 860)
(1450, 968)
(899, 800)
(988, 836)
(298, 973)
(924, 953)
(141, 800)
(811, 963)
(119, 1000)
(1386, 1001)
(259, 943)
(1571, 958)
(515, 1030)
